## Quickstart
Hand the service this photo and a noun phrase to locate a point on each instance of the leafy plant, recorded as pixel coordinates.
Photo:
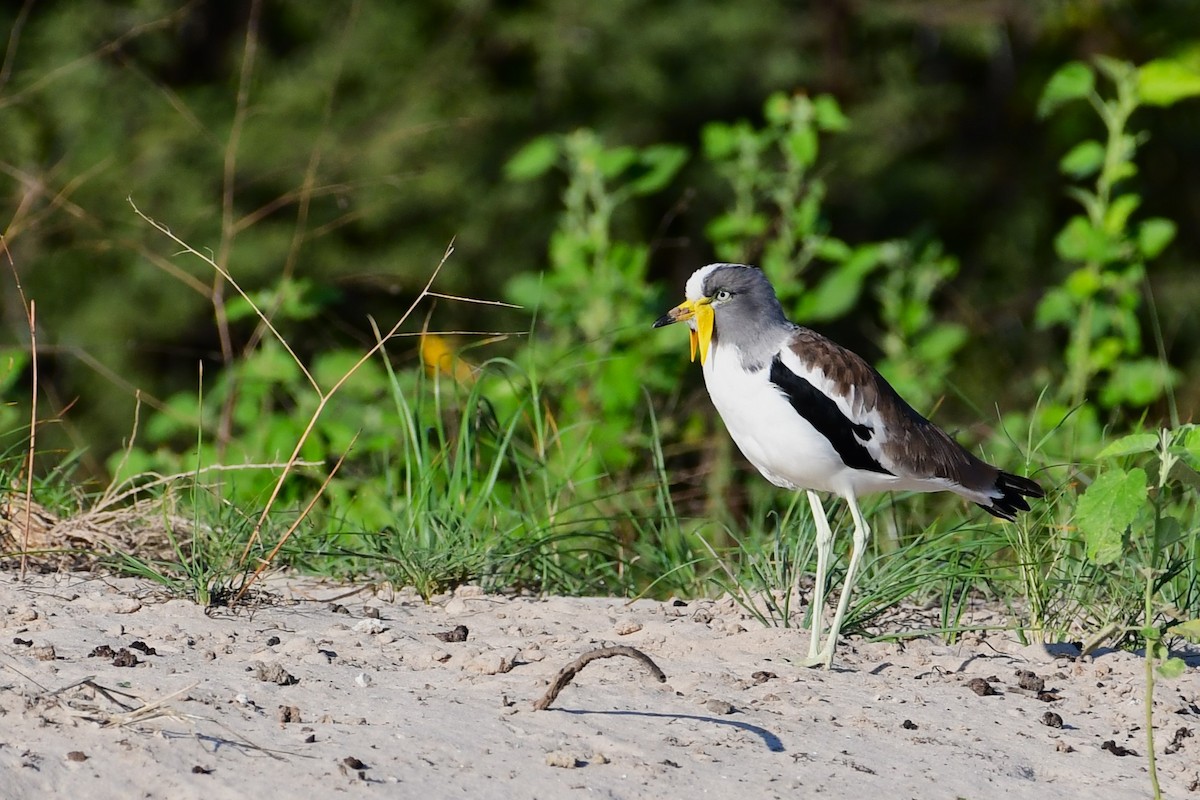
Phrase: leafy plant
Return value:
(1131, 524)
(203, 560)
(591, 352)
(775, 221)
(774, 217)
(918, 347)
(467, 492)
(1099, 300)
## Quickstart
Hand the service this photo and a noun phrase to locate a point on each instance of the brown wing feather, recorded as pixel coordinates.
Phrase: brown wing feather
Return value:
(913, 445)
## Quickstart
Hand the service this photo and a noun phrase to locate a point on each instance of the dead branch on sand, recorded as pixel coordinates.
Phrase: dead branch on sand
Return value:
(568, 673)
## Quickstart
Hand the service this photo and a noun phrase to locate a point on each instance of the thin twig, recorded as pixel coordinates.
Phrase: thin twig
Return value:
(35, 186)
(31, 316)
(568, 673)
(106, 49)
(266, 562)
(187, 248)
(32, 434)
(110, 497)
(476, 300)
(326, 396)
(126, 451)
(14, 37)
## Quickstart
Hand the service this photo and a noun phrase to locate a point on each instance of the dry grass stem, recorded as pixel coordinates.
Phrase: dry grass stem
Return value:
(187, 248)
(266, 562)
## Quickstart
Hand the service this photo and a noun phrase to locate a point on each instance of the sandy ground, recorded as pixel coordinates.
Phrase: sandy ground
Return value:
(316, 696)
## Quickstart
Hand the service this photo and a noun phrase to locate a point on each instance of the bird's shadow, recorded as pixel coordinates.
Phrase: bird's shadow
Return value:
(769, 739)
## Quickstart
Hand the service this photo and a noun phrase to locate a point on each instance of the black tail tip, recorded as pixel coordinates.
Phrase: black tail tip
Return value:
(1013, 491)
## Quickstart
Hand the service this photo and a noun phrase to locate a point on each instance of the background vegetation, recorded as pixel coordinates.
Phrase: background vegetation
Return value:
(995, 202)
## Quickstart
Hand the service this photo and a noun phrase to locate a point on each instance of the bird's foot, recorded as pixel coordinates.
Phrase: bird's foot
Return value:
(822, 660)
(822, 657)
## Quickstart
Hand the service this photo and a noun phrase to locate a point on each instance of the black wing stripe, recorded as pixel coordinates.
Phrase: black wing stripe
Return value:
(824, 415)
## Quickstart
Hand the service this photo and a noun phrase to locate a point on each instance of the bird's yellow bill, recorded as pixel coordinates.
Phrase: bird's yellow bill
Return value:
(701, 335)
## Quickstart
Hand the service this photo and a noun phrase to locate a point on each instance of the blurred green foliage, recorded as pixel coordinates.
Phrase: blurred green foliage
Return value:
(371, 134)
(590, 347)
(1099, 300)
(897, 169)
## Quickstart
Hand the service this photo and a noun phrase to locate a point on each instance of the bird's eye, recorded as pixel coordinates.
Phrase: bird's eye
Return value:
(722, 295)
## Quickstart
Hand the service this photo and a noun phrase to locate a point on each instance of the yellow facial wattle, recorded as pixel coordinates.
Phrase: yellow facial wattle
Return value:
(702, 336)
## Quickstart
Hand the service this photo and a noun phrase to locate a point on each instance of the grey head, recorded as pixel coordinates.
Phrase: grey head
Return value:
(746, 313)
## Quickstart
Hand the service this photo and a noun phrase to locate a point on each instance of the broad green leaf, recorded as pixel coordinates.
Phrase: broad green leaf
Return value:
(615, 161)
(1189, 630)
(1119, 211)
(526, 289)
(1072, 82)
(1128, 445)
(1137, 383)
(829, 114)
(1172, 668)
(1170, 529)
(1154, 235)
(1105, 352)
(829, 248)
(1057, 305)
(778, 108)
(1083, 159)
(802, 145)
(1191, 441)
(804, 217)
(1079, 241)
(663, 162)
(1165, 81)
(941, 342)
(533, 160)
(718, 140)
(12, 366)
(730, 227)
(840, 289)
(1107, 509)
(1083, 283)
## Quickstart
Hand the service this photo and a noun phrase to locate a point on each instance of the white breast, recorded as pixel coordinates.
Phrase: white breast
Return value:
(777, 440)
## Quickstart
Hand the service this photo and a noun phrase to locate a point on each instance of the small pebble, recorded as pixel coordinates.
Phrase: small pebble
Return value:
(720, 706)
(273, 673)
(43, 653)
(558, 758)
(370, 625)
(458, 634)
(981, 687)
(494, 662)
(626, 627)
